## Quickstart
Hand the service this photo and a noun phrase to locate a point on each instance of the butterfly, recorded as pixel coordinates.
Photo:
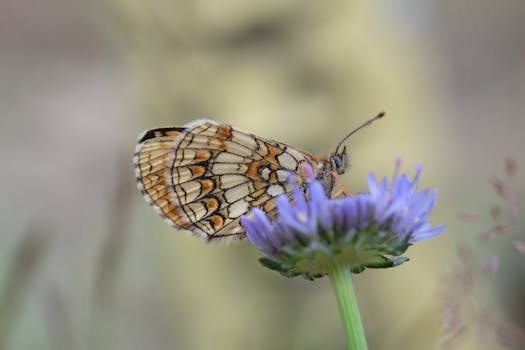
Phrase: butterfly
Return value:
(202, 177)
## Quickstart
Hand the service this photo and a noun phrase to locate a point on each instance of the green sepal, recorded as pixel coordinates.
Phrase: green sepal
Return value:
(272, 265)
(313, 259)
(381, 263)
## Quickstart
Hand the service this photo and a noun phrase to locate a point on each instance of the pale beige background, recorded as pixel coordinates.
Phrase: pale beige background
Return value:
(80, 80)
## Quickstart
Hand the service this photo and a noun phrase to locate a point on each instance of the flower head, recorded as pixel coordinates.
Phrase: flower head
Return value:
(369, 229)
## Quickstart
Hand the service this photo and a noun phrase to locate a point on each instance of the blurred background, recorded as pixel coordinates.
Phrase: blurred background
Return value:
(86, 264)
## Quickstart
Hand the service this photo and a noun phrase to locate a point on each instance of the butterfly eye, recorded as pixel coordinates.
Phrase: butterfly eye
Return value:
(338, 163)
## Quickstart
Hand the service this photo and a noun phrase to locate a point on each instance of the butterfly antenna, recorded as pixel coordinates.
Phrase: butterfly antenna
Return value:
(368, 122)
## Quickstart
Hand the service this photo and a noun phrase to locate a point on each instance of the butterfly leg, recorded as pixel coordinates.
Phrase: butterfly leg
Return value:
(342, 188)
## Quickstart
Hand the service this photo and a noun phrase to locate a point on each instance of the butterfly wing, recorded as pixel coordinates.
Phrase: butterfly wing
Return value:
(204, 176)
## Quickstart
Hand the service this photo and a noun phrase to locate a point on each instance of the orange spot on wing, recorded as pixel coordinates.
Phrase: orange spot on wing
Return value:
(269, 206)
(273, 152)
(207, 185)
(202, 156)
(197, 170)
(212, 204)
(217, 221)
(260, 192)
(259, 185)
(273, 178)
(224, 131)
(259, 201)
(253, 170)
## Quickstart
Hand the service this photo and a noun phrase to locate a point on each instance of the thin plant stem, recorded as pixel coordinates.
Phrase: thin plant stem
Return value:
(341, 280)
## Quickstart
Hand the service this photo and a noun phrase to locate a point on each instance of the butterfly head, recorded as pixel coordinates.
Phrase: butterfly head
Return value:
(340, 161)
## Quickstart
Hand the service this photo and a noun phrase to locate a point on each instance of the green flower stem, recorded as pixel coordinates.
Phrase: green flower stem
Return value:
(341, 280)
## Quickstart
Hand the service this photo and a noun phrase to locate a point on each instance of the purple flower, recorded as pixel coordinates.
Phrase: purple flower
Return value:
(366, 230)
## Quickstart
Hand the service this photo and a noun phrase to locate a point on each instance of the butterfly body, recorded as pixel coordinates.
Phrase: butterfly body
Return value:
(204, 176)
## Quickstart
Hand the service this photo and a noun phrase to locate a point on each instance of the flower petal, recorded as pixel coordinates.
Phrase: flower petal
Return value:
(369, 229)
